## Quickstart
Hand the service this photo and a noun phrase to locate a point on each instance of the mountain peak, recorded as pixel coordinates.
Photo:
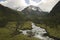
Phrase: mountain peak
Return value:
(33, 11)
(34, 8)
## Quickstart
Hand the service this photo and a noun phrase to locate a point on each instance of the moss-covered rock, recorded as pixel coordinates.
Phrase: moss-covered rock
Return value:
(26, 25)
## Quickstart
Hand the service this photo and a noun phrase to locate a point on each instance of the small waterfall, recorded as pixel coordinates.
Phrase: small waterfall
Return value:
(37, 32)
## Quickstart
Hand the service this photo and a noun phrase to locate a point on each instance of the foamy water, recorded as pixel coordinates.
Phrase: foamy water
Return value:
(38, 32)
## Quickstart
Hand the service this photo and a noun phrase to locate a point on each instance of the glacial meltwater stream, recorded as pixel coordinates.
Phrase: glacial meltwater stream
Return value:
(37, 32)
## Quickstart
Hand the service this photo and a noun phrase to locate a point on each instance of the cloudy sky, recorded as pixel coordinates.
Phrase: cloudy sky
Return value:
(45, 5)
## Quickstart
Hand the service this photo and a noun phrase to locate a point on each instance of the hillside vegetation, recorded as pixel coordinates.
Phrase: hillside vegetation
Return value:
(10, 21)
(51, 22)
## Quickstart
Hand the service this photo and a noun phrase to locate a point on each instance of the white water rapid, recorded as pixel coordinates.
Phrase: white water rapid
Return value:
(38, 32)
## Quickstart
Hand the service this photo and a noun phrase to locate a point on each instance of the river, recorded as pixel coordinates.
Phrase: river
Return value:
(37, 32)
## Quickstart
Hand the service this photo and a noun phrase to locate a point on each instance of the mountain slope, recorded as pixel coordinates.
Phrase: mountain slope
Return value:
(34, 13)
(33, 10)
(52, 22)
(55, 13)
(7, 14)
(55, 21)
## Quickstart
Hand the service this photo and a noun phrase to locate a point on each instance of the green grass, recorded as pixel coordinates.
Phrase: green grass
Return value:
(52, 31)
(23, 26)
(5, 33)
(26, 25)
(23, 37)
(11, 25)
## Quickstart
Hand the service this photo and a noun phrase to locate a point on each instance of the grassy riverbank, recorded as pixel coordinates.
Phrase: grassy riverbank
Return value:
(5, 32)
(5, 35)
(55, 32)
(26, 25)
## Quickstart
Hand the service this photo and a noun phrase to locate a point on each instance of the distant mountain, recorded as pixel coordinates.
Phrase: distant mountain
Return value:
(33, 11)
